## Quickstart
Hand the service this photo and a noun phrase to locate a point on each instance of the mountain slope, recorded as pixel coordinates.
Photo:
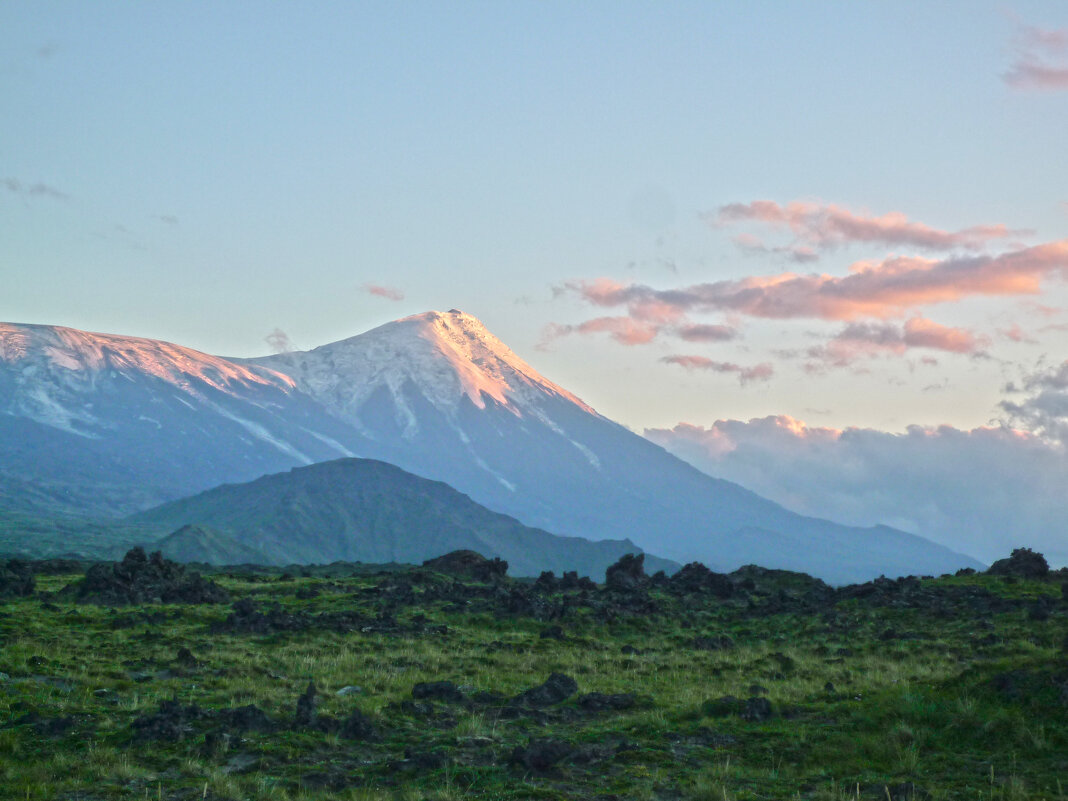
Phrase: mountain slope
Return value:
(370, 511)
(108, 424)
(439, 395)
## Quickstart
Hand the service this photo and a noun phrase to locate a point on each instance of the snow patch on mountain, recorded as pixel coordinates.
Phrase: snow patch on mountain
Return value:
(52, 370)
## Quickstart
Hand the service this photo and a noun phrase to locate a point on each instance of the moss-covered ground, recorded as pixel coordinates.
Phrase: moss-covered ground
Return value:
(948, 688)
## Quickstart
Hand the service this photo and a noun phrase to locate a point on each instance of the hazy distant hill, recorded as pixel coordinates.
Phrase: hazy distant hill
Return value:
(363, 510)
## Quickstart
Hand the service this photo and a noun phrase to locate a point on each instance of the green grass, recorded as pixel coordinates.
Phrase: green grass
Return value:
(936, 707)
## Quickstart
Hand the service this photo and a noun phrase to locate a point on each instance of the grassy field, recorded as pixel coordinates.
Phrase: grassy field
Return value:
(944, 688)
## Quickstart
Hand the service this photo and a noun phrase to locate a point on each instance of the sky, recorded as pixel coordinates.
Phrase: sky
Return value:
(744, 228)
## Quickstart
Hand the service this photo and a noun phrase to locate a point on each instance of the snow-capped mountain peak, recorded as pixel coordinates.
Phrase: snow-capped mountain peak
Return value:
(446, 356)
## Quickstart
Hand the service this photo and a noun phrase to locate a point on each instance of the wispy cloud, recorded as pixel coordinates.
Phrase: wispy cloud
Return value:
(881, 289)
(1041, 60)
(623, 330)
(698, 332)
(387, 292)
(757, 372)
(822, 226)
(15, 186)
(279, 341)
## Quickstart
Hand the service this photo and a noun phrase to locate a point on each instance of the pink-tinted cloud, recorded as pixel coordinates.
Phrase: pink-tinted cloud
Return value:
(758, 372)
(1041, 60)
(870, 340)
(387, 292)
(820, 226)
(802, 254)
(879, 290)
(623, 330)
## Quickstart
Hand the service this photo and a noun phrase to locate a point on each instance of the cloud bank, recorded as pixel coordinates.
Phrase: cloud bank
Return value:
(982, 492)
(882, 289)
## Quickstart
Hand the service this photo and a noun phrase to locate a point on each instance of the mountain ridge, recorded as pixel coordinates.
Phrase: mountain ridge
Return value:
(439, 396)
(363, 510)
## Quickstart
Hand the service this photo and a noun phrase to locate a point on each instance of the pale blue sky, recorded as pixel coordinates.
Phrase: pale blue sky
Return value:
(206, 173)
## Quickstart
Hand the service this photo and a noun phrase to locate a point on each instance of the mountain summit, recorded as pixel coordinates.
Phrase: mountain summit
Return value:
(445, 356)
(436, 394)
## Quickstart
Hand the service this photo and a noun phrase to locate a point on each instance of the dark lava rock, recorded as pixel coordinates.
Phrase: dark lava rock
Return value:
(542, 756)
(552, 633)
(357, 726)
(470, 564)
(904, 791)
(572, 581)
(46, 727)
(245, 718)
(438, 690)
(171, 723)
(424, 760)
(547, 582)
(140, 579)
(756, 709)
(696, 578)
(16, 579)
(306, 707)
(721, 707)
(626, 574)
(556, 688)
(720, 642)
(1022, 563)
(605, 702)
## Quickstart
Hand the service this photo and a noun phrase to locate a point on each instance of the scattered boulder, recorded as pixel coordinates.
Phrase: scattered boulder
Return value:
(572, 581)
(556, 688)
(141, 579)
(719, 642)
(307, 704)
(547, 582)
(1022, 563)
(16, 579)
(244, 718)
(552, 633)
(542, 756)
(438, 690)
(627, 574)
(607, 702)
(357, 726)
(469, 564)
(185, 658)
(756, 709)
(171, 723)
